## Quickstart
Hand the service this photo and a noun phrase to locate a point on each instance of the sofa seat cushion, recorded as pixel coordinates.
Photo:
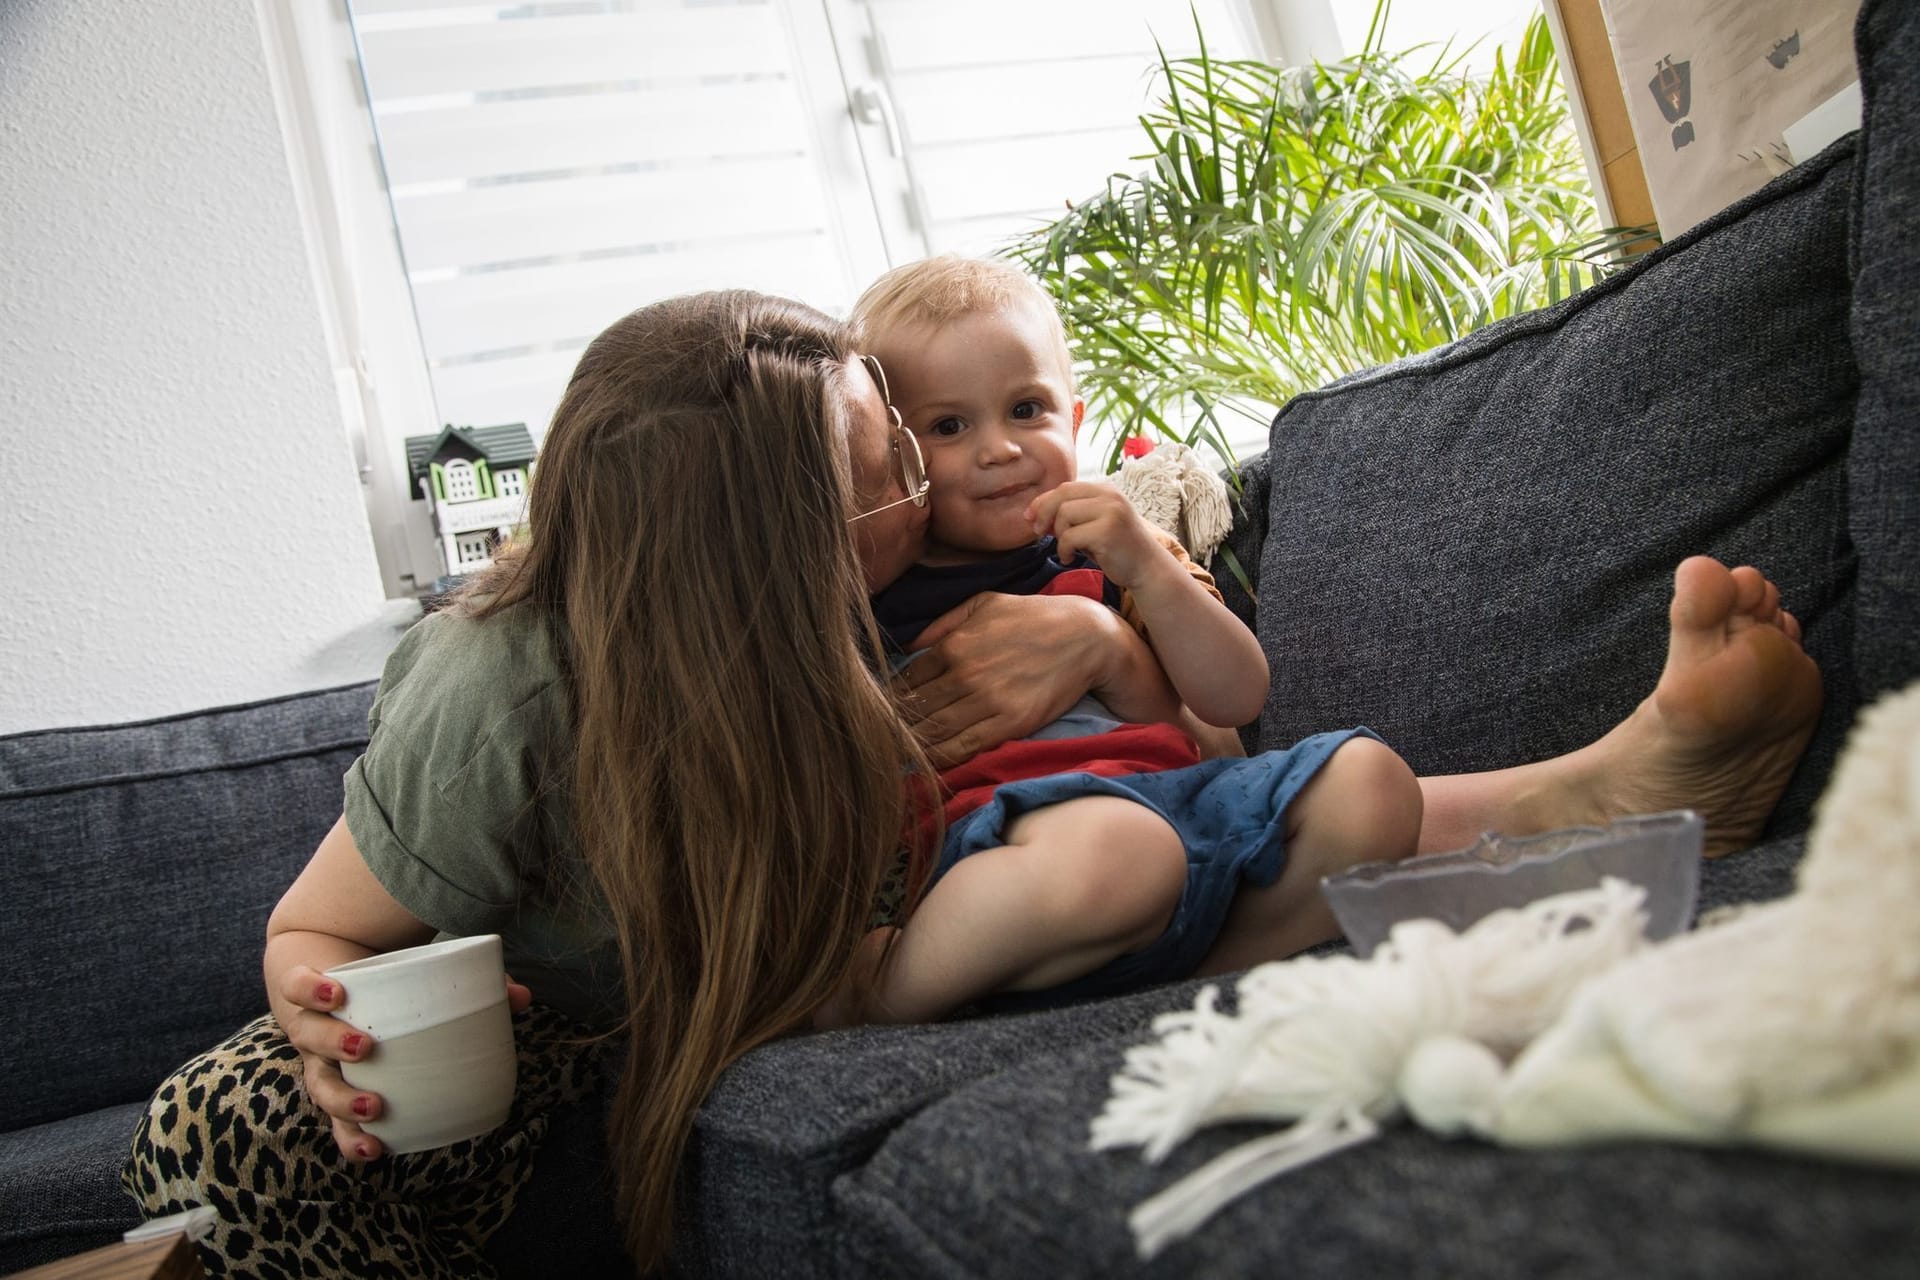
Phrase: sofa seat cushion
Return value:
(60, 1183)
(791, 1155)
(1759, 874)
(1472, 551)
(142, 861)
(790, 1119)
(995, 1179)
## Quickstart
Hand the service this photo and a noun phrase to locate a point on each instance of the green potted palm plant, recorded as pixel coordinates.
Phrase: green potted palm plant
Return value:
(1293, 224)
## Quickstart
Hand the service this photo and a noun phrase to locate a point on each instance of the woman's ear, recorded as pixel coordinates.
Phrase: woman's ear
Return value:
(1079, 412)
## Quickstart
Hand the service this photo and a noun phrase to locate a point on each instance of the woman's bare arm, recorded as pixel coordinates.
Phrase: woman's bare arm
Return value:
(334, 912)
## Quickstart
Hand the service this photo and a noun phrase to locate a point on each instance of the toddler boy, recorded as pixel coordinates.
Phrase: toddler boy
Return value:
(1098, 856)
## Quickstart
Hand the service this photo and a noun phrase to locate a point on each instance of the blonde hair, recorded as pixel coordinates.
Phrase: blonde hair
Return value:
(939, 290)
(736, 777)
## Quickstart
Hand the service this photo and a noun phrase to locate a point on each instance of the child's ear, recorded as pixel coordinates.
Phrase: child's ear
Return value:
(1079, 412)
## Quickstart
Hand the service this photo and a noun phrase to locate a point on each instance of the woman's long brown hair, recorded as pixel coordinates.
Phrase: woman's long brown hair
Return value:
(738, 780)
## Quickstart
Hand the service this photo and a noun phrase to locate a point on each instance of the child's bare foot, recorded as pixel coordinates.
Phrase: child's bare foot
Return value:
(1734, 708)
(851, 1005)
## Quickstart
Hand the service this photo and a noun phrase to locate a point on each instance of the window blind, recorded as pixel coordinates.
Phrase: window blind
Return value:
(551, 167)
(1011, 108)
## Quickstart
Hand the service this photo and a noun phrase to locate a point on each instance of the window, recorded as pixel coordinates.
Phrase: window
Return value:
(552, 164)
(461, 483)
(473, 550)
(510, 484)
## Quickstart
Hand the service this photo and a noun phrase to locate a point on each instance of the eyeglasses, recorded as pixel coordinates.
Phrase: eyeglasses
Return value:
(913, 467)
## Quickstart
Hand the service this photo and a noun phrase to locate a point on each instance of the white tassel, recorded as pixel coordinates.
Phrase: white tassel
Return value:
(1173, 489)
(1209, 513)
(1326, 1041)
(1160, 1220)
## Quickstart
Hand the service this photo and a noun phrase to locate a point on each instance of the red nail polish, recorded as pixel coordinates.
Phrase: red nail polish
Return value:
(362, 1107)
(365, 1149)
(324, 993)
(351, 1045)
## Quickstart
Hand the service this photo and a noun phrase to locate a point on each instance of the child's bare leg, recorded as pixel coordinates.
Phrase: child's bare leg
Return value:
(1362, 806)
(1720, 734)
(1077, 884)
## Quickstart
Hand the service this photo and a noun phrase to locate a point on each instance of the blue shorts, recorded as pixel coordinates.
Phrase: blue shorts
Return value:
(1230, 814)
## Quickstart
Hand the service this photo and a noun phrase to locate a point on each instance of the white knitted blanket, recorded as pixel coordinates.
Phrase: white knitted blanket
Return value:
(1793, 1024)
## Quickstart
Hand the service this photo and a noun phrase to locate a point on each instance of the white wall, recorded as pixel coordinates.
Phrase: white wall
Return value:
(1328, 30)
(180, 520)
(1436, 22)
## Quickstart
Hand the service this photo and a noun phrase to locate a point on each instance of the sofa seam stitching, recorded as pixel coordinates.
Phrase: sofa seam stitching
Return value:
(161, 775)
(181, 716)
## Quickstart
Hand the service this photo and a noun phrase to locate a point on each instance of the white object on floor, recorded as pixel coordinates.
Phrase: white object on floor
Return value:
(193, 1223)
(1808, 136)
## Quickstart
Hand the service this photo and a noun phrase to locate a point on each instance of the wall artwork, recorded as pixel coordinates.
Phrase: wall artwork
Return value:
(1712, 85)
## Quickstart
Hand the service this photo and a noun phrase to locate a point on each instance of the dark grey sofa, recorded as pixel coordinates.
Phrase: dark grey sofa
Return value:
(1469, 552)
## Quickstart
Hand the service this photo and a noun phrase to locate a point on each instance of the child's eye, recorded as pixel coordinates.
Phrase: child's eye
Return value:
(946, 427)
(1026, 410)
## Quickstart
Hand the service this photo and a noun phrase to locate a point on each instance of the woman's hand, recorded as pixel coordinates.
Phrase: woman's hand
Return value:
(999, 667)
(324, 1042)
(305, 1010)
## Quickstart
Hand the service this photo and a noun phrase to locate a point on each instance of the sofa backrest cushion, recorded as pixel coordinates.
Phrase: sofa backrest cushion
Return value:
(1472, 551)
(141, 862)
(1885, 467)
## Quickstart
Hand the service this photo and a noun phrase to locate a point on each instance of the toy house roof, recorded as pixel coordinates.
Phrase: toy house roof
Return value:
(504, 446)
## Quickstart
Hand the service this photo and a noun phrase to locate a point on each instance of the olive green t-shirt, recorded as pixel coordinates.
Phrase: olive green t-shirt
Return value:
(459, 804)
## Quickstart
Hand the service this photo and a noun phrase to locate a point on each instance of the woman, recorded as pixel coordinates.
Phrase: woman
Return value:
(651, 749)
(648, 743)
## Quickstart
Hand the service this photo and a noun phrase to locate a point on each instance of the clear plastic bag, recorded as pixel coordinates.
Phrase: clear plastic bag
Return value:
(1659, 851)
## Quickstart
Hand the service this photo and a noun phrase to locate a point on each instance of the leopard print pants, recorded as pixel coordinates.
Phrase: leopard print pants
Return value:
(233, 1130)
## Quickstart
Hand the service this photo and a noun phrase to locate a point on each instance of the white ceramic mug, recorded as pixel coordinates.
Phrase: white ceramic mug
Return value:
(442, 1059)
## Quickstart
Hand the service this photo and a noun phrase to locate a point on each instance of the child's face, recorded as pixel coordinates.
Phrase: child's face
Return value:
(990, 399)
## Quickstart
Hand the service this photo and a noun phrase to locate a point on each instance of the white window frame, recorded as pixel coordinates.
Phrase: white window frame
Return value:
(379, 367)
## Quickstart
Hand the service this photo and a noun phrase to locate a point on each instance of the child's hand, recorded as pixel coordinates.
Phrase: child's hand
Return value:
(1092, 516)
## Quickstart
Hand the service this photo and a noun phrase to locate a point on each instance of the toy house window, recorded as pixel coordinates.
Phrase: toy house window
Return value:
(462, 485)
(472, 548)
(510, 484)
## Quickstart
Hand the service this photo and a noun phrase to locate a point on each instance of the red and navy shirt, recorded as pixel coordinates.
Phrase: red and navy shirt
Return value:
(925, 592)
